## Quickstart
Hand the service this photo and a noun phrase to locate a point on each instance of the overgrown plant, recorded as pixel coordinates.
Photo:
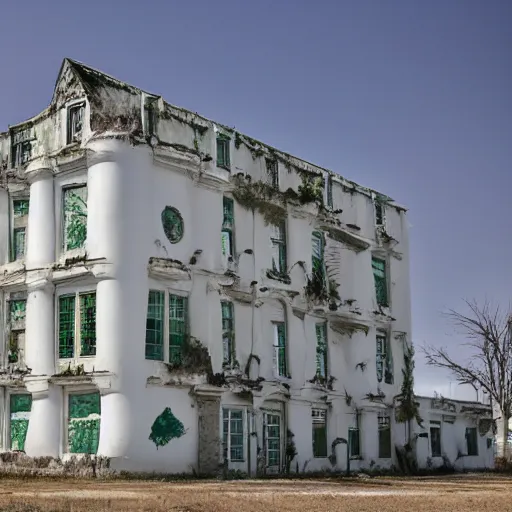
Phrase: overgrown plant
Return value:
(290, 451)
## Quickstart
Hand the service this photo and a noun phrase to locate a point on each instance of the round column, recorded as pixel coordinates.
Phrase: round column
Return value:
(118, 232)
(41, 215)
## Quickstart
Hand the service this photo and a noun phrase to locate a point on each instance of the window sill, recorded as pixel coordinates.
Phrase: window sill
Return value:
(225, 167)
(277, 276)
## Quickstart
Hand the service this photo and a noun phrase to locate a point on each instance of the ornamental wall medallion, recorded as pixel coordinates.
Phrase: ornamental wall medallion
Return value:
(172, 223)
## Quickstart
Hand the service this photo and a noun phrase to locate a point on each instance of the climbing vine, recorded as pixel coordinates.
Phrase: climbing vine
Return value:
(408, 408)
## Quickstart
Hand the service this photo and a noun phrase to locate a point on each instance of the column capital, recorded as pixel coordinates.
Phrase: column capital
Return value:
(40, 283)
(40, 168)
(102, 149)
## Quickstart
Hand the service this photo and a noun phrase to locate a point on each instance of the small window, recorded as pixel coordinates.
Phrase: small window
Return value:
(379, 212)
(319, 432)
(272, 172)
(380, 279)
(280, 350)
(76, 114)
(435, 438)
(75, 217)
(272, 440)
(178, 327)
(150, 118)
(84, 423)
(384, 359)
(472, 441)
(228, 226)
(16, 346)
(328, 191)
(233, 434)
(278, 242)
(318, 265)
(20, 406)
(321, 350)
(384, 437)
(20, 209)
(223, 151)
(21, 147)
(228, 333)
(82, 341)
(354, 439)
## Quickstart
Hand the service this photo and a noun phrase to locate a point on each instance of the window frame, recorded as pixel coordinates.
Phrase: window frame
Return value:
(281, 243)
(471, 431)
(319, 417)
(224, 141)
(77, 324)
(63, 219)
(376, 260)
(321, 328)
(17, 224)
(328, 186)
(357, 432)
(226, 447)
(19, 153)
(384, 357)
(8, 416)
(166, 321)
(272, 170)
(320, 266)
(280, 350)
(266, 425)
(435, 425)
(384, 425)
(228, 227)
(379, 205)
(71, 137)
(228, 335)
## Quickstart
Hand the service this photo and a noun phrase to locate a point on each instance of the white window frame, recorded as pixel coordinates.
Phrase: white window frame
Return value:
(266, 414)
(245, 423)
(77, 291)
(278, 239)
(74, 106)
(17, 197)
(319, 416)
(275, 349)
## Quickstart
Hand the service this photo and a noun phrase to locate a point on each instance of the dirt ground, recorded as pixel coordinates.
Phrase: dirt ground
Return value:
(463, 493)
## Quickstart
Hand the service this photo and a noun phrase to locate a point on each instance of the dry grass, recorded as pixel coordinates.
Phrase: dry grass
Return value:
(464, 493)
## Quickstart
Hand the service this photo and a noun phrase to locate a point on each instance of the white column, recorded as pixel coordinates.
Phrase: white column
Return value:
(117, 230)
(41, 216)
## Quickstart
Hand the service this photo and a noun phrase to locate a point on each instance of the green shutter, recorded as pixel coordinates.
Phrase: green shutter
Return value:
(20, 406)
(87, 324)
(66, 326)
(178, 327)
(223, 151)
(84, 423)
(155, 326)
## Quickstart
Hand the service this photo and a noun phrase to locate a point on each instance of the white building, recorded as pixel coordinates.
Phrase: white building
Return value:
(456, 432)
(172, 287)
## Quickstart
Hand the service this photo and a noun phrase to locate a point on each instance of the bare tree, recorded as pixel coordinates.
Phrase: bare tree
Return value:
(488, 365)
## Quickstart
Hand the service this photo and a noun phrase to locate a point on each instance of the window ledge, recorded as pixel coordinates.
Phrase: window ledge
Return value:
(168, 269)
(282, 278)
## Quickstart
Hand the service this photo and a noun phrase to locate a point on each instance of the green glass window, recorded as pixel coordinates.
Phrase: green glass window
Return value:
(66, 326)
(319, 433)
(280, 349)
(381, 286)
(20, 207)
(223, 152)
(321, 350)
(318, 256)
(20, 406)
(75, 217)
(228, 332)
(278, 241)
(233, 434)
(228, 224)
(178, 327)
(88, 324)
(18, 243)
(272, 172)
(17, 310)
(84, 423)
(272, 440)
(172, 222)
(155, 326)
(471, 441)
(384, 437)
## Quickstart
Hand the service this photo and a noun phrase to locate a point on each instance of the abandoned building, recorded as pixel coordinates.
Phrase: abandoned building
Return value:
(179, 297)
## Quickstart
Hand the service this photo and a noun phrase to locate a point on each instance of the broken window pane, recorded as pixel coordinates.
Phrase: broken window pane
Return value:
(272, 439)
(66, 326)
(84, 423)
(20, 406)
(88, 324)
(228, 333)
(435, 439)
(178, 327)
(384, 437)
(272, 172)
(319, 433)
(321, 350)
(76, 115)
(223, 151)
(278, 241)
(233, 434)
(75, 217)
(155, 326)
(381, 287)
(471, 441)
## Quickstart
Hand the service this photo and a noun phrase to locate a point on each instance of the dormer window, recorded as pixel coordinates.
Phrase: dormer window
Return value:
(75, 122)
(21, 147)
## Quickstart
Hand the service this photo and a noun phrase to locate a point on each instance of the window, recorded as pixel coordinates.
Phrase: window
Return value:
(20, 406)
(75, 122)
(384, 437)
(174, 325)
(75, 217)
(319, 432)
(379, 212)
(321, 350)
(381, 286)
(21, 147)
(223, 151)
(435, 438)
(17, 312)
(328, 191)
(233, 434)
(280, 355)
(272, 172)
(77, 325)
(354, 439)
(228, 225)
(84, 423)
(278, 242)
(272, 439)
(384, 360)
(228, 333)
(172, 222)
(19, 228)
(318, 256)
(150, 118)
(471, 441)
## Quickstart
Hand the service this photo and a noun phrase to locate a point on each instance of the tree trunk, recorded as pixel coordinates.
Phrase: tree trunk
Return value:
(501, 419)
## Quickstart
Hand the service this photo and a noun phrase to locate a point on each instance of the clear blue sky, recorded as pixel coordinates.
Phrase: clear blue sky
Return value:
(411, 97)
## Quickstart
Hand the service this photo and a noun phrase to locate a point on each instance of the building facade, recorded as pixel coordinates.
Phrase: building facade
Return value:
(177, 295)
